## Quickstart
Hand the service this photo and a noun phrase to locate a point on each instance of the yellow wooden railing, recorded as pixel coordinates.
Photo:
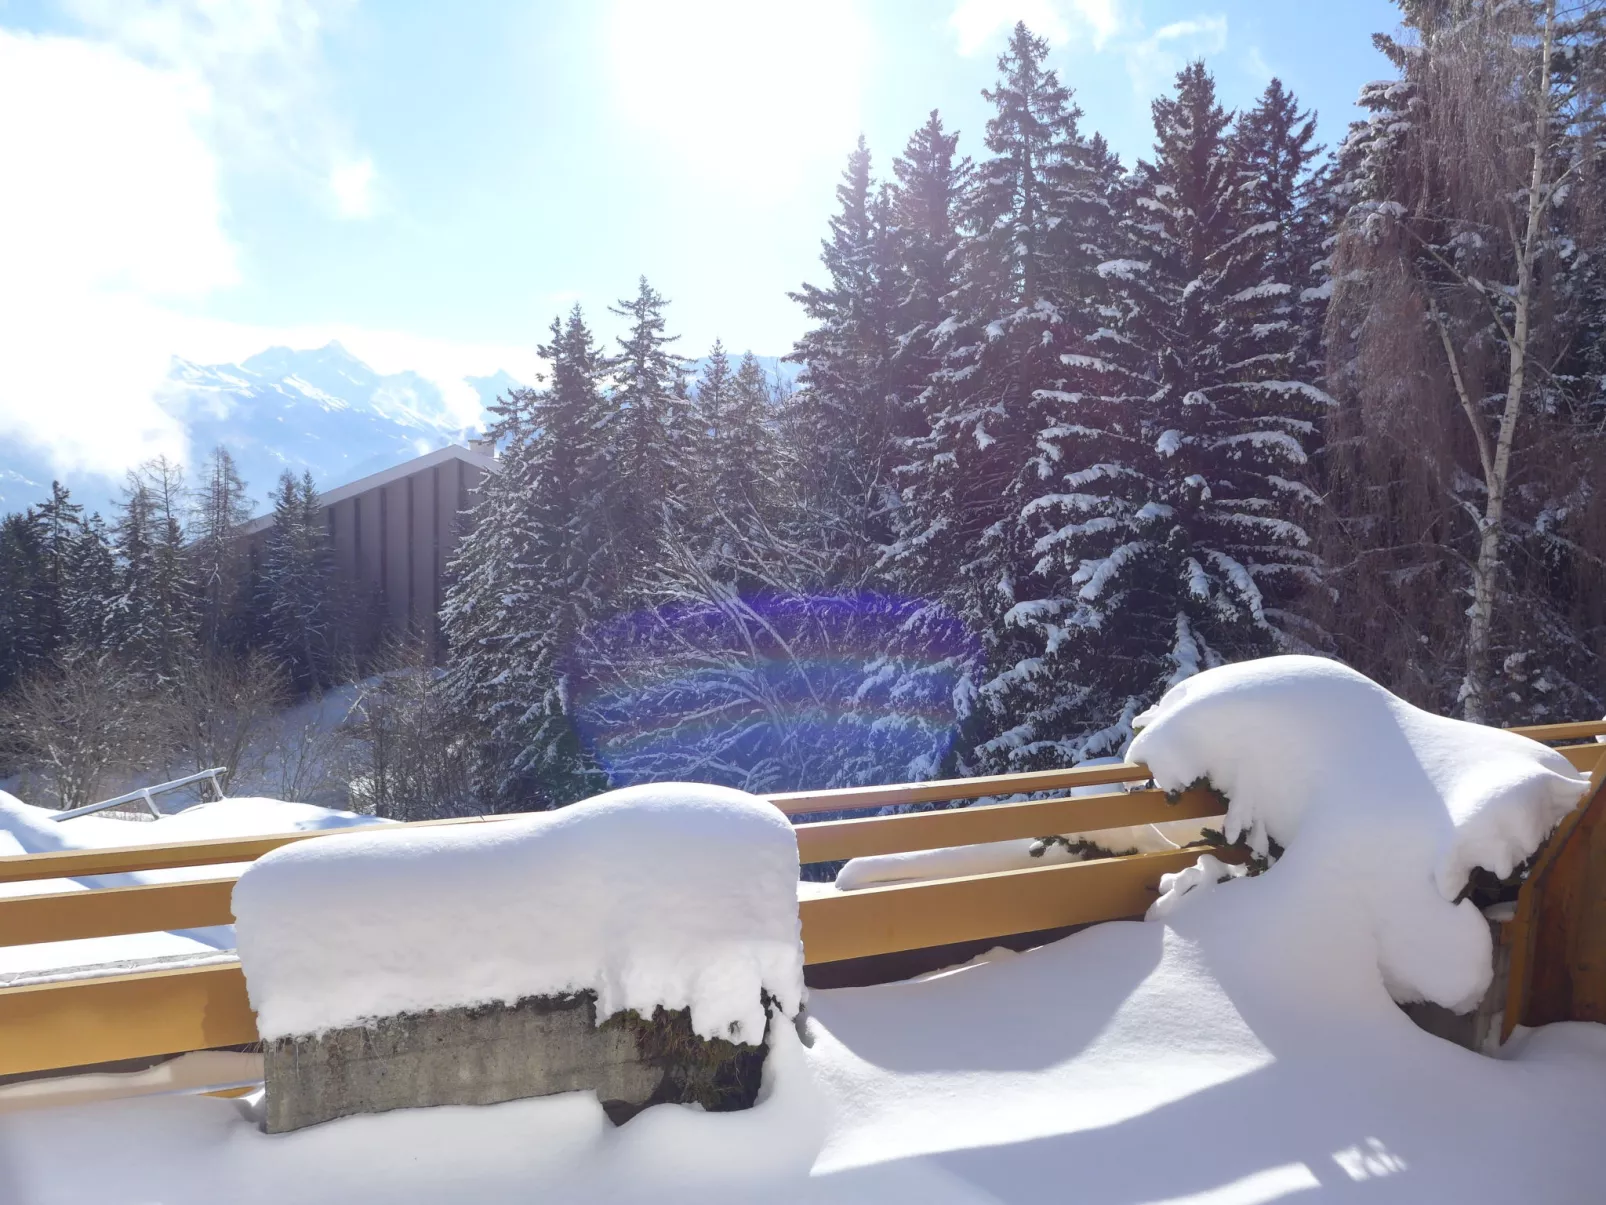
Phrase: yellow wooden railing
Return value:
(78, 1022)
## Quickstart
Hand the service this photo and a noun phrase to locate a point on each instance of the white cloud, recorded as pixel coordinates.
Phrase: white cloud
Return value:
(738, 74)
(261, 64)
(114, 228)
(976, 23)
(112, 207)
(353, 187)
(1155, 60)
(1256, 64)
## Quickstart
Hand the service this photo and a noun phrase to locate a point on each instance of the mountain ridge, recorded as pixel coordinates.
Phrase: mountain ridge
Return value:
(320, 410)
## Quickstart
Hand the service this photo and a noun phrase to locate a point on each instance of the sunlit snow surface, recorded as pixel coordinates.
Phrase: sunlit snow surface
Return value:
(1245, 1049)
(674, 894)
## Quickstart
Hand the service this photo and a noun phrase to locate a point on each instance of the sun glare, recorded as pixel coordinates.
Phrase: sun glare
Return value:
(721, 77)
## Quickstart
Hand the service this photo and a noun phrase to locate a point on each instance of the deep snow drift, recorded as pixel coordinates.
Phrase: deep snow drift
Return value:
(1244, 1049)
(676, 894)
(1384, 809)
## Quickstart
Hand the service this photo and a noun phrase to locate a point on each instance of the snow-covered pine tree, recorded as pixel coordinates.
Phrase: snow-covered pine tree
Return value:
(218, 508)
(1036, 223)
(716, 387)
(844, 416)
(1274, 146)
(713, 402)
(748, 464)
(537, 563)
(296, 605)
(153, 620)
(90, 588)
(931, 180)
(1172, 525)
(649, 438)
(25, 611)
(58, 586)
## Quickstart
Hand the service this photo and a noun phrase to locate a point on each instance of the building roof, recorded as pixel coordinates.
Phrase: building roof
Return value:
(480, 460)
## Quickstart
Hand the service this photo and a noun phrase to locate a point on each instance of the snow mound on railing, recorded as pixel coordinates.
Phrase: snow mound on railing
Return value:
(1381, 807)
(672, 894)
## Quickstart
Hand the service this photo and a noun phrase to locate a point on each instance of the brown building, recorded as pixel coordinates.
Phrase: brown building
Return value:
(393, 533)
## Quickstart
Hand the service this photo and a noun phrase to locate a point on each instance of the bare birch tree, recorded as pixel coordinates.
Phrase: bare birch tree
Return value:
(1459, 273)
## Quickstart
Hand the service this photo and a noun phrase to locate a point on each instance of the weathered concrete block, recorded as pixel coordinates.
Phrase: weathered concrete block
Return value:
(1479, 1029)
(491, 1053)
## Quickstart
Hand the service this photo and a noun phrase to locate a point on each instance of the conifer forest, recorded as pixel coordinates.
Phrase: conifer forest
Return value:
(1066, 431)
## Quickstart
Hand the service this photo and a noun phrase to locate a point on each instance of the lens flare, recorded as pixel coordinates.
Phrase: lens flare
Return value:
(775, 692)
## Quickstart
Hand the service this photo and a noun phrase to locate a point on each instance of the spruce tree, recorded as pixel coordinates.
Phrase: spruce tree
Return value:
(296, 602)
(648, 435)
(219, 508)
(715, 398)
(1174, 522)
(58, 587)
(845, 414)
(90, 588)
(1008, 394)
(747, 467)
(24, 603)
(537, 563)
(931, 180)
(1274, 147)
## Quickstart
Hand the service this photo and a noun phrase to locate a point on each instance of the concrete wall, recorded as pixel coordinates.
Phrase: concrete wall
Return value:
(484, 1055)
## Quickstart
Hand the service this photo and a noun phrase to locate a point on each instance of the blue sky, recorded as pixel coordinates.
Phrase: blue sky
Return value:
(431, 182)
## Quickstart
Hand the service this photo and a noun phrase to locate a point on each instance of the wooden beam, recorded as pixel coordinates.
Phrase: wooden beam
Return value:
(1534, 924)
(81, 1022)
(1524, 930)
(1581, 730)
(844, 799)
(1583, 757)
(82, 863)
(913, 916)
(216, 851)
(826, 840)
(112, 911)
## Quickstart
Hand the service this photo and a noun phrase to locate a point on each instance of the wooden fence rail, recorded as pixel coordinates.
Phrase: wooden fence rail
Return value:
(76, 1022)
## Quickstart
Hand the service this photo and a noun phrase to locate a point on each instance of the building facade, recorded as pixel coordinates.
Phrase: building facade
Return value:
(392, 534)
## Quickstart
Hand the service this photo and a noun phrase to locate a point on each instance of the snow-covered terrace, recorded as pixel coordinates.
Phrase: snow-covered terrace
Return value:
(1243, 1044)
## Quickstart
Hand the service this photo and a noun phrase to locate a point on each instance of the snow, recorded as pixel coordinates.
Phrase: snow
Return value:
(1241, 1049)
(28, 829)
(947, 863)
(1122, 269)
(954, 861)
(1393, 835)
(360, 925)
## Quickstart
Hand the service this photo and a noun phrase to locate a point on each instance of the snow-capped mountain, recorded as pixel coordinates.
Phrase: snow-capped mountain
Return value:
(322, 411)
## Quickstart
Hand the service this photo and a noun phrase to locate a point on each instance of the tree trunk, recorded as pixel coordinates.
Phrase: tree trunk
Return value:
(1475, 688)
